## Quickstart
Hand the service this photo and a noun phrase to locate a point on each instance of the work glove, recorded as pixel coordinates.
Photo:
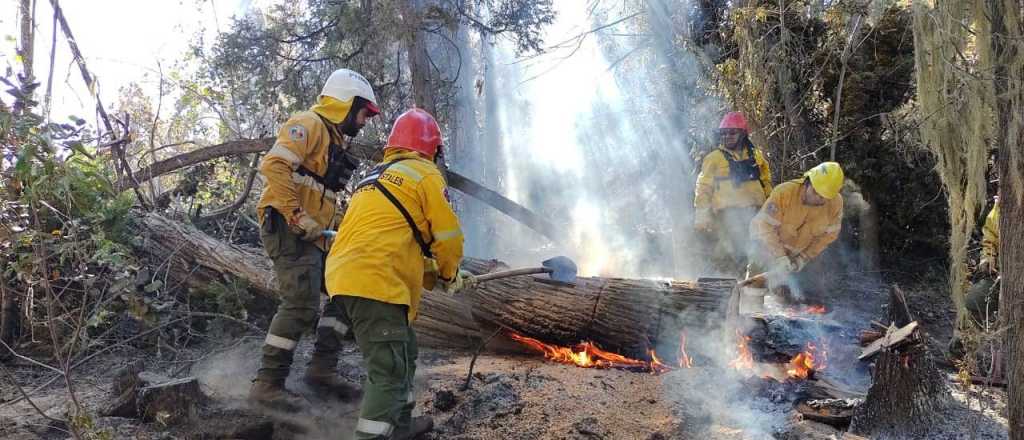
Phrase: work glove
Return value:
(702, 220)
(463, 280)
(305, 227)
(986, 266)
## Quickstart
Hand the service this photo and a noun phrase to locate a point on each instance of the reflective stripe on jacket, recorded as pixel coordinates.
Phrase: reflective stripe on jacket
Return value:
(375, 255)
(717, 190)
(303, 141)
(785, 226)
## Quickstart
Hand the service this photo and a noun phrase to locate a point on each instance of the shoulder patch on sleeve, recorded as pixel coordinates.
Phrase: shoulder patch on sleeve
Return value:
(771, 208)
(297, 133)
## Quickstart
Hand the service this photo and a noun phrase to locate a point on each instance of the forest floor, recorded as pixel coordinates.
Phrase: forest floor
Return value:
(513, 396)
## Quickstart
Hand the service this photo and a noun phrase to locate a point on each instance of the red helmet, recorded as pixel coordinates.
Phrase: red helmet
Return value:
(416, 130)
(734, 120)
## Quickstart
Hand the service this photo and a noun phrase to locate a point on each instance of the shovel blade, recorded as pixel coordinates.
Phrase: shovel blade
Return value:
(562, 269)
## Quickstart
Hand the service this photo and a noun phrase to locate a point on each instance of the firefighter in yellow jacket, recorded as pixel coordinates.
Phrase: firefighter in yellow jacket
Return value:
(398, 236)
(983, 296)
(304, 171)
(798, 221)
(982, 299)
(733, 183)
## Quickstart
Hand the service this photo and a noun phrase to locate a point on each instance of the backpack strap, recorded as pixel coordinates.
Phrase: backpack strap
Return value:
(374, 179)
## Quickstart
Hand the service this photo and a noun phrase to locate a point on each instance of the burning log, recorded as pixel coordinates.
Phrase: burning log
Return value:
(624, 316)
(907, 389)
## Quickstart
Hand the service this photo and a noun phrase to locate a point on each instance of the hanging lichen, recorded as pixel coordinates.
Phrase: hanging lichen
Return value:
(957, 103)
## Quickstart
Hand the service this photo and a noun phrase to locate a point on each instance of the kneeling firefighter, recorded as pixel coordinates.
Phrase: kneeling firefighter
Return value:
(304, 171)
(798, 221)
(398, 237)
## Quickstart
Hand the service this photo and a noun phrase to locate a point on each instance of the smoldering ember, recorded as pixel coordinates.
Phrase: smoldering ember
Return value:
(511, 219)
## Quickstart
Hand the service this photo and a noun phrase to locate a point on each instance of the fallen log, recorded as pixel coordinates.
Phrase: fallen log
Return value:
(623, 315)
(363, 152)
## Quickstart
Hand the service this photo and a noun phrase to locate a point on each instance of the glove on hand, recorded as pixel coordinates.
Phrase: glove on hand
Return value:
(305, 227)
(463, 280)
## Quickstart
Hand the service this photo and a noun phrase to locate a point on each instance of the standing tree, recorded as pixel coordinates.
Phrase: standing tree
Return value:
(1007, 42)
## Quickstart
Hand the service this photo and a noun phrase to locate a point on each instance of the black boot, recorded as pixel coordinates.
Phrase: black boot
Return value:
(324, 380)
(273, 395)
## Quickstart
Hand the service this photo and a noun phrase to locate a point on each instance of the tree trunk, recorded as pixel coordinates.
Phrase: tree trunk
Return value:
(545, 227)
(9, 316)
(26, 49)
(1007, 34)
(907, 390)
(627, 316)
(364, 152)
(423, 89)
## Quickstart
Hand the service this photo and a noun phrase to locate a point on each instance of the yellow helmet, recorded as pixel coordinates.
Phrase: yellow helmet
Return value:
(826, 178)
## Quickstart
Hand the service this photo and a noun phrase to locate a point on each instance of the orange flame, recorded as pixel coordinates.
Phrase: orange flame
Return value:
(818, 309)
(801, 366)
(657, 366)
(744, 358)
(588, 355)
(684, 360)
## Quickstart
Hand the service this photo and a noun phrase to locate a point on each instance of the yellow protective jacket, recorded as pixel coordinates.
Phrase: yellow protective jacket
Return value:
(303, 140)
(716, 189)
(375, 255)
(785, 226)
(990, 235)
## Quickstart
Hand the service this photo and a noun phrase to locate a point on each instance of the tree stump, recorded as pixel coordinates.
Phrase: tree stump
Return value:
(907, 389)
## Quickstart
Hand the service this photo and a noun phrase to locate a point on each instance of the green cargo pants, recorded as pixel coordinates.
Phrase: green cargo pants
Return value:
(388, 344)
(982, 302)
(299, 267)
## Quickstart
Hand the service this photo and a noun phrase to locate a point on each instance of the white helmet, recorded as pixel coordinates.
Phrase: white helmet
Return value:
(345, 84)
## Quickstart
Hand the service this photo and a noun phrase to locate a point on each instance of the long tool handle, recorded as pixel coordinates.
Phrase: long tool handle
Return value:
(756, 280)
(511, 273)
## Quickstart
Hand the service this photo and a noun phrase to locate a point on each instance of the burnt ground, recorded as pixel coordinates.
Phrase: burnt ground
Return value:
(513, 396)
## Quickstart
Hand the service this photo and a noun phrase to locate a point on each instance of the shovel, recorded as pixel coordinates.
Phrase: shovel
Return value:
(560, 269)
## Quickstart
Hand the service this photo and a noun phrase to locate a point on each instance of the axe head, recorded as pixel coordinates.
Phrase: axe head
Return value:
(562, 269)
